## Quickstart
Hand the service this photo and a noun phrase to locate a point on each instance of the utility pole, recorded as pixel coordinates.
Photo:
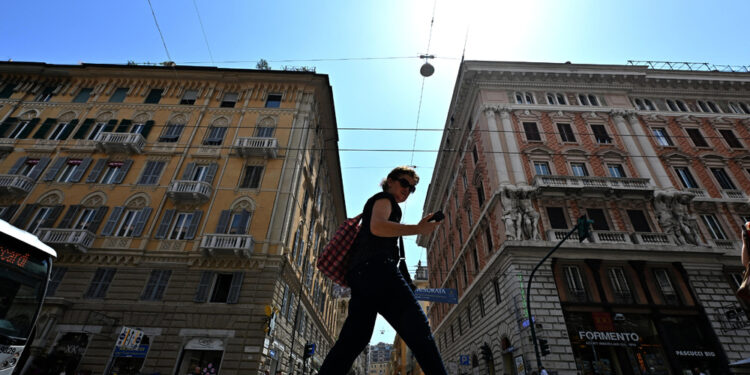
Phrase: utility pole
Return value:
(582, 226)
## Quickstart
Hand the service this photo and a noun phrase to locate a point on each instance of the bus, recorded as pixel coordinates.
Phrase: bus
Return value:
(25, 268)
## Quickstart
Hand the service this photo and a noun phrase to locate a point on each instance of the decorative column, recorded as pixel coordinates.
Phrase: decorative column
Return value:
(498, 156)
(631, 145)
(515, 158)
(648, 149)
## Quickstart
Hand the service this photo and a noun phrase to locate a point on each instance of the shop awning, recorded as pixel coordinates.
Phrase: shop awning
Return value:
(744, 362)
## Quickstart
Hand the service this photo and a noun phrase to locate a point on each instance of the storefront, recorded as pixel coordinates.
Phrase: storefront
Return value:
(201, 356)
(65, 355)
(637, 344)
(129, 361)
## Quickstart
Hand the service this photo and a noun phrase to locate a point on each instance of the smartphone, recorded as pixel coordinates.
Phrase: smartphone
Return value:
(437, 216)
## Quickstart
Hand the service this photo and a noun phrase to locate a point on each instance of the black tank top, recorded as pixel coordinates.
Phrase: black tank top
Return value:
(368, 246)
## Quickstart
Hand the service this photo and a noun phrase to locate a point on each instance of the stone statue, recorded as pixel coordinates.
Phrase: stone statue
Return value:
(674, 218)
(687, 224)
(530, 223)
(511, 215)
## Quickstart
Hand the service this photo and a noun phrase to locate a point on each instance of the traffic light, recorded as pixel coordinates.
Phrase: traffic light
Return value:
(309, 351)
(544, 347)
(584, 228)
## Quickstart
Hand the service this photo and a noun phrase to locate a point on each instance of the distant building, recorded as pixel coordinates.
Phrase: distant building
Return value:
(378, 358)
(658, 158)
(185, 202)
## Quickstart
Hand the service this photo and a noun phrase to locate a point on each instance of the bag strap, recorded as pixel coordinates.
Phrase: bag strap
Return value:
(401, 255)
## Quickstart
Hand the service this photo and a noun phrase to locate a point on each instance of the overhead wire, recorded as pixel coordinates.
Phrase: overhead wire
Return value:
(164, 42)
(205, 38)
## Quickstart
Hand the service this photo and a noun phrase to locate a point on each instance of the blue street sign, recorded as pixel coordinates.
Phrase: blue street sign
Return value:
(272, 353)
(446, 295)
(139, 352)
(463, 360)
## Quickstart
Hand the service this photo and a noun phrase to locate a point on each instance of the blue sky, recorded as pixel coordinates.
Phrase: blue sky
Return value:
(382, 93)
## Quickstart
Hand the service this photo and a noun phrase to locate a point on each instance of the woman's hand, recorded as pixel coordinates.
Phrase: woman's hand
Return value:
(425, 226)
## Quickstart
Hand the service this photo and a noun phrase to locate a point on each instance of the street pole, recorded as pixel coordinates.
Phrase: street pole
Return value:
(528, 297)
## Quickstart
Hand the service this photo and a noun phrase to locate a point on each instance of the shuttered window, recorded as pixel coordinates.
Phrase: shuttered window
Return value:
(151, 173)
(157, 283)
(100, 283)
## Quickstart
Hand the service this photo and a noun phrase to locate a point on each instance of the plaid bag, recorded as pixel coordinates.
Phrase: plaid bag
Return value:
(334, 260)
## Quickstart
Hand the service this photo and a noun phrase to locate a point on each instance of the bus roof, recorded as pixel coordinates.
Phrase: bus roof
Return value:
(27, 237)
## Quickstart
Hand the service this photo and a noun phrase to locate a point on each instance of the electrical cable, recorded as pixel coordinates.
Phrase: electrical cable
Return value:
(159, 29)
(316, 60)
(205, 38)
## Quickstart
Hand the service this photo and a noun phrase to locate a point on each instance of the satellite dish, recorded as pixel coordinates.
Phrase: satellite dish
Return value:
(427, 69)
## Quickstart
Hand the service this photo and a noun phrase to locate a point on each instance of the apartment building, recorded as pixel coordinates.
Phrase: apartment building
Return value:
(657, 157)
(187, 204)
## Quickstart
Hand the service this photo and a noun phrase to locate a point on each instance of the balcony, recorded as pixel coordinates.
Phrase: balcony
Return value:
(77, 239)
(725, 244)
(257, 146)
(604, 185)
(7, 144)
(190, 191)
(652, 238)
(240, 245)
(610, 237)
(734, 195)
(131, 143)
(16, 185)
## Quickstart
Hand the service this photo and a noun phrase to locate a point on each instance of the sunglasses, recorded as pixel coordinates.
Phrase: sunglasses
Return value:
(405, 183)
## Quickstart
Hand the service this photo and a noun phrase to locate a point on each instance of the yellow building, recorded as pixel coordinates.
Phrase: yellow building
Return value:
(184, 202)
(402, 358)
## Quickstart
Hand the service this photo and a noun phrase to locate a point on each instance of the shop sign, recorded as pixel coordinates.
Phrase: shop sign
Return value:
(463, 360)
(139, 352)
(520, 368)
(206, 343)
(610, 338)
(129, 338)
(272, 353)
(695, 353)
(445, 295)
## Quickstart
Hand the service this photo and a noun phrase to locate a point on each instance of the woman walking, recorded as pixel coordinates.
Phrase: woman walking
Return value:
(377, 284)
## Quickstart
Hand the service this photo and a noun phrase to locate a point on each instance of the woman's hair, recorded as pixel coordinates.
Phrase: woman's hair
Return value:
(398, 172)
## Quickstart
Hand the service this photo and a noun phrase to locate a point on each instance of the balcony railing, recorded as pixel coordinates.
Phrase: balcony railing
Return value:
(15, 184)
(7, 144)
(611, 237)
(651, 238)
(79, 239)
(699, 193)
(559, 234)
(132, 143)
(725, 244)
(190, 191)
(228, 244)
(554, 182)
(734, 194)
(257, 146)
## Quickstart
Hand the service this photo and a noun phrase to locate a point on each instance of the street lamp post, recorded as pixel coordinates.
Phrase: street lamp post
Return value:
(582, 226)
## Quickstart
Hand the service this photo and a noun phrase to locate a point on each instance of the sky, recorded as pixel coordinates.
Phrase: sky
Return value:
(370, 49)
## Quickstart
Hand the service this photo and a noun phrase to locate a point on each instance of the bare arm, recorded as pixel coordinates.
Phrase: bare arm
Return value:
(382, 227)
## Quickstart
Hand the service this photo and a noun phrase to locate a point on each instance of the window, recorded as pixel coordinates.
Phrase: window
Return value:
(264, 131)
(588, 99)
(480, 300)
(45, 95)
(188, 98)
(113, 173)
(157, 283)
(714, 228)
(488, 238)
(222, 289)
(524, 98)
(29, 167)
(532, 132)
(662, 137)
(126, 225)
(480, 193)
(251, 179)
(83, 95)
(579, 169)
(620, 285)
(273, 101)
(731, 139)
(475, 260)
(229, 100)
(644, 104)
(464, 180)
(574, 282)
(600, 134)
(138, 128)
(151, 173)
(119, 95)
(676, 105)
(41, 219)
(734, 107)
(686, 178)
(84, 220)
(7, 91)
(98, 128)
(100, 283)
(600, 220)
(180, 226)
(56, 278)
(723, 179)
(154, 96)
(616, 170)
(215, 136)
(566, 133)
(21, 130)
(665, 286)
(542, 168)
(61, 132)
(475, 155)
(556, 217)
(638, 220)
(171, 133)
(72, 170)
(708, 106)
(496, 289)
(556, 98)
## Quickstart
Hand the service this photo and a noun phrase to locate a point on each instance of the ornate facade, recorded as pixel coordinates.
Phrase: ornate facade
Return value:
(187, 203)
(657, 158)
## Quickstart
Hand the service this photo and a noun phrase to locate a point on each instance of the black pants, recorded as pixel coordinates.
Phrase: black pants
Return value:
(379, 287)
